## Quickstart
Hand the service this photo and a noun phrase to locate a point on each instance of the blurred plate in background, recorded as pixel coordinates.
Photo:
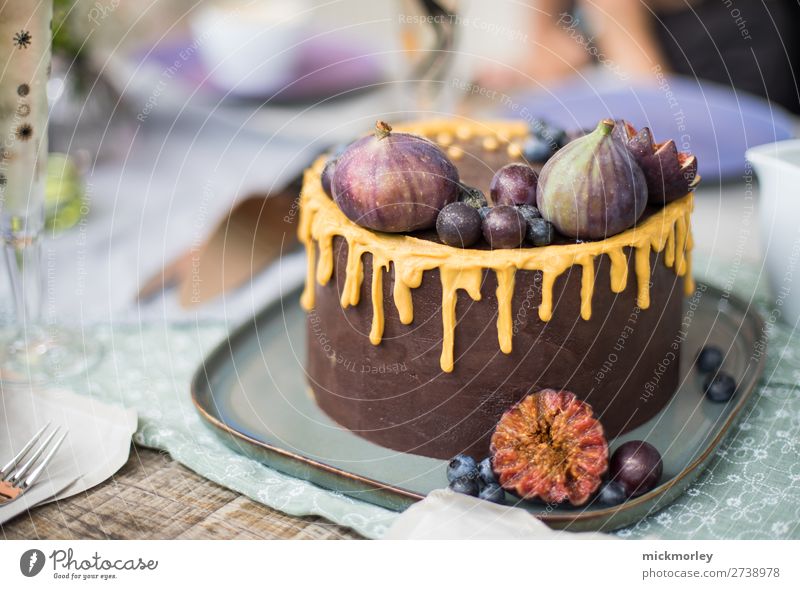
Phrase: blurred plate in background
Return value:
(322, 67)
(715, 123)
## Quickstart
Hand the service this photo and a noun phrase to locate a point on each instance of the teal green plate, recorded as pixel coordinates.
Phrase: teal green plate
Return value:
(252, 391)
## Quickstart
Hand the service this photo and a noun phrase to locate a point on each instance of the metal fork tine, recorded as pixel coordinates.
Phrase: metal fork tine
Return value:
(21, 454)
(20, 472)
(38, 470)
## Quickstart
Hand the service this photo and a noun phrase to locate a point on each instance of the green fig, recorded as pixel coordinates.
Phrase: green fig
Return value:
(593, 187)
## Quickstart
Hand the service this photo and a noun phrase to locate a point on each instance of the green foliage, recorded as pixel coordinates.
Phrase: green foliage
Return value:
(67, 39)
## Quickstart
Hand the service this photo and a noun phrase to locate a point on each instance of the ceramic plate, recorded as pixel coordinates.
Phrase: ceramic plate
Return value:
(252, 391)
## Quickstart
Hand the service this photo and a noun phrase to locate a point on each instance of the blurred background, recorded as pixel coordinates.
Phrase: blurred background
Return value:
(172, 113)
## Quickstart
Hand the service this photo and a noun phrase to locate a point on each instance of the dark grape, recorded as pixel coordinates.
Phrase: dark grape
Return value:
(459, 225)
(514, 184)
(637, 466)
(503, 227)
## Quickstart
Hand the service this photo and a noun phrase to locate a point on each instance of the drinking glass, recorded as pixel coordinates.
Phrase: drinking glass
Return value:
(428, 36)
(32, 351)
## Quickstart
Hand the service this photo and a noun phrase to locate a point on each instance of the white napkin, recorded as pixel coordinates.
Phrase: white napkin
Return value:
(97, 446)
(445, 515)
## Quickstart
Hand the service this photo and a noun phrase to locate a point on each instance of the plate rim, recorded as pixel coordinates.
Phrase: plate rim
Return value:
(606, 514)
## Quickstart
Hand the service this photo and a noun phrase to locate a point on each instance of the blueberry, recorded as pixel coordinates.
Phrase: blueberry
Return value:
(485, 472)
(494, 493)
(553, 136)
(529, 212)
(611, 493)
(459, 225)
(558, 137)
(539, 232)
(537, 126)
(462, 466)
(465, 485)
(474, 197)
(719, 387)
(709, 359)
(536, 150)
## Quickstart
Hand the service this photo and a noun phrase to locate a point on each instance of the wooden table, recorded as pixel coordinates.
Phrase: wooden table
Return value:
(154, 497)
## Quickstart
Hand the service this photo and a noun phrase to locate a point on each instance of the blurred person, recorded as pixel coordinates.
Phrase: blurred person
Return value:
(751, 45)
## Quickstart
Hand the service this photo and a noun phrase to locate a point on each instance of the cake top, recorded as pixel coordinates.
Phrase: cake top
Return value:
(666, 229)
(519, 186)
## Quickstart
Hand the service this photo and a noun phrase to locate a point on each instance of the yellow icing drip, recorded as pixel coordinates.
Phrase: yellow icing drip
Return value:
(587, 287)
(505, 294)
(354, 275)
(453, 279)
(667, 231)
(642, 265)
(619, 270)
(376, 332)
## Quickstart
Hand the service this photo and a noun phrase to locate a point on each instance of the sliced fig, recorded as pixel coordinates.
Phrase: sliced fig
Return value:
(669, 173)
(550, 447)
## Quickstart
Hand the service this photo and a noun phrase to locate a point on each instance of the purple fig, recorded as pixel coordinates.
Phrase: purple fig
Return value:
(670, 173)
(592, 188)
(394, 182)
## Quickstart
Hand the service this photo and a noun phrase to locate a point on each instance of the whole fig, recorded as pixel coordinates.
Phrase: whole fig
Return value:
(394, 182)
(592, 188)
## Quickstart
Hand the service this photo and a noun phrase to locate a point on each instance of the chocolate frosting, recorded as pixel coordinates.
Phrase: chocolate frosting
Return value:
(623, 361)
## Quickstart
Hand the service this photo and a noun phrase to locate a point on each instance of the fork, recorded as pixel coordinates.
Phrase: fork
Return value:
(13, 479)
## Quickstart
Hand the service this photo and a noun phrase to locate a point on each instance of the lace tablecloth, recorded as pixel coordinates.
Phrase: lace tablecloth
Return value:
(750, 490)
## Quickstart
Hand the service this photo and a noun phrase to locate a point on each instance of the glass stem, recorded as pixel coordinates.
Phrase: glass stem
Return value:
(23, 252)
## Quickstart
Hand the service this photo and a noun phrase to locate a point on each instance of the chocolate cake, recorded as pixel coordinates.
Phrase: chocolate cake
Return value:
(421, 347)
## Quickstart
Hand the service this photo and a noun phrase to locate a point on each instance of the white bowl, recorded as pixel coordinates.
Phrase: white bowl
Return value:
(778, 169)
(246, 47)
